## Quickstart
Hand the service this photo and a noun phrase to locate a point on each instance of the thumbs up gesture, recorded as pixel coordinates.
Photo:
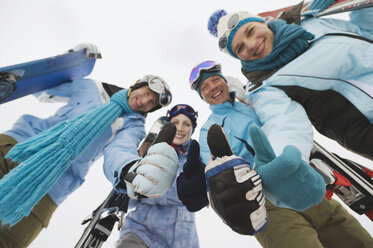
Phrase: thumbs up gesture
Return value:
(191, 183)
(234, 189)
(288, 181)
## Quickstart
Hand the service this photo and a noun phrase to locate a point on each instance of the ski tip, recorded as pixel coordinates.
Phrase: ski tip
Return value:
(218, 142)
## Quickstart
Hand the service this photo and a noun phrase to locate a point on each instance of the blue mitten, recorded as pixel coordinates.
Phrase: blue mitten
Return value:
(320, 5)
(288, 181)
(154, 174)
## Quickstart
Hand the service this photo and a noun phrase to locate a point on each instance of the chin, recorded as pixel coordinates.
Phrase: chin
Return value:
(180, 142)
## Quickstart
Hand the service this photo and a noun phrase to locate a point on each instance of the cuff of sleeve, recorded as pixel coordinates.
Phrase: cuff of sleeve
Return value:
(119, 183)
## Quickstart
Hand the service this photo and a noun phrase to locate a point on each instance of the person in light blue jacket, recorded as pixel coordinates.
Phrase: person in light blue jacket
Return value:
(117, 143)
(323, 65)
(326, 224)
(320, 66)
(164, 221)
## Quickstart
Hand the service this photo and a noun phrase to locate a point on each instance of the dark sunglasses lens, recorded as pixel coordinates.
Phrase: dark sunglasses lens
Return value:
(223, 41)
(164, 99)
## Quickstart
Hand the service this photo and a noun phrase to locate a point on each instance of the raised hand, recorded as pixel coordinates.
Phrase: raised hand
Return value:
(154, 174)
(288, 181)
(320, 5)
(234, 189)
(91, 50)
(191, 183)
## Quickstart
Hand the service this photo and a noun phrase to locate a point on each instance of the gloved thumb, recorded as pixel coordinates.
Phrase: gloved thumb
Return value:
(263, 150)
(218, 142)
(193, 162)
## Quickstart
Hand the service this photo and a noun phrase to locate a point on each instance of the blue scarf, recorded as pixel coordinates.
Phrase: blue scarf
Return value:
(290, 40)
(46, 156)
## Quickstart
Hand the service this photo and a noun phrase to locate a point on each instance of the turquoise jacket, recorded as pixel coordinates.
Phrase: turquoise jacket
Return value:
(117, 143)
(163, 221)
(235, 119)
(338, 63)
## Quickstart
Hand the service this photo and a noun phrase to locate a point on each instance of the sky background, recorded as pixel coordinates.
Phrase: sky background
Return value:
(161, 37)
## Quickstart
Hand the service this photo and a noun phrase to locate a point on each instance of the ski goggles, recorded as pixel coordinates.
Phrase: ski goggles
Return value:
(160, 86)
(232, 23)
(195, 74)
(184, 109)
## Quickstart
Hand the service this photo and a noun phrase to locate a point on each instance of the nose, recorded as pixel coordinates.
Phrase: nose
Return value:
(146, 101)
(178, 127)
(249, 45)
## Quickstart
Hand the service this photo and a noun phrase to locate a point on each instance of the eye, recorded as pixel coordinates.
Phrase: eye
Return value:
(250, 31)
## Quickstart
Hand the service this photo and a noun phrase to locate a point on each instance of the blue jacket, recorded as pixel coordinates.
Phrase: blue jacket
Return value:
(338, 63)
(117, 143)
(162, 221)
(235, 119)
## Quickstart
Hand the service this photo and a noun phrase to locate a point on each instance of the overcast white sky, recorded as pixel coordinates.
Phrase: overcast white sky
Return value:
(162, 37)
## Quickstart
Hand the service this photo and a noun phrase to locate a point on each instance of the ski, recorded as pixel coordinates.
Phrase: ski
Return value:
(103, 219)
(339, 6)
(114, 207)
(26, 78)
(350, 181)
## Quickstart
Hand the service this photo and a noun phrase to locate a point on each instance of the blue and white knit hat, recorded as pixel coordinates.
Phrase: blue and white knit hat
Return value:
(224, 26)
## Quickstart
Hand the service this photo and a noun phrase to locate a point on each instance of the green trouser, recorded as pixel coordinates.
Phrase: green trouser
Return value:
(327, 224)
(25, 231)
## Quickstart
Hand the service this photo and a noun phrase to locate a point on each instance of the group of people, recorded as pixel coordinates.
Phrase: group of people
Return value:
(253, 170)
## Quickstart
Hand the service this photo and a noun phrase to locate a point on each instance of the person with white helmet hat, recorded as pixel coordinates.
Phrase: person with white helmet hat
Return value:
(315, 69)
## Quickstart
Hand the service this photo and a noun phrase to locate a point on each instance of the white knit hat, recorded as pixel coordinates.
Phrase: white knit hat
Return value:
(224, 26)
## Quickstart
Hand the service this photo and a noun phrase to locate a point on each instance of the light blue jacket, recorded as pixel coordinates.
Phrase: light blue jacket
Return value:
(338, 63)
(162, 221)
(235, 119)
(117, 143)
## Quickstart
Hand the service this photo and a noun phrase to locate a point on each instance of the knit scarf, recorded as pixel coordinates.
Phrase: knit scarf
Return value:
(290, 40)
(45, 157)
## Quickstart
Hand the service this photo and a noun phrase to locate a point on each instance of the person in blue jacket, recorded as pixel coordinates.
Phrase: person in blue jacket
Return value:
(117, 143)
(164, 221)
(326, 224)
(323, 66)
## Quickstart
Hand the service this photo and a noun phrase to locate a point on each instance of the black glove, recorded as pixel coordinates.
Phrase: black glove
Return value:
(191, 183)
(234, 189)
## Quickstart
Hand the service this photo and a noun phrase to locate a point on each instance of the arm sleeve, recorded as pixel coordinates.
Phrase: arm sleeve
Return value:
(122, 150)
(285, 122)
(364, 19)
(60, 93)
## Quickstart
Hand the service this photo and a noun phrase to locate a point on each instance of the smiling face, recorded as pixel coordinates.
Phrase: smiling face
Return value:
(214, 90)
(253, 40)
(184, 129)
(142, 99)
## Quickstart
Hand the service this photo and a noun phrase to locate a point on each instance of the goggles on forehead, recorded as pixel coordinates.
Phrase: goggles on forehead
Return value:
(159, 86)
(182, 108)
(195, 74)
(231, 24)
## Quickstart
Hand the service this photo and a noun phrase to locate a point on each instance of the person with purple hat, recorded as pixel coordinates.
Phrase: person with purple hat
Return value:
(165, 221)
